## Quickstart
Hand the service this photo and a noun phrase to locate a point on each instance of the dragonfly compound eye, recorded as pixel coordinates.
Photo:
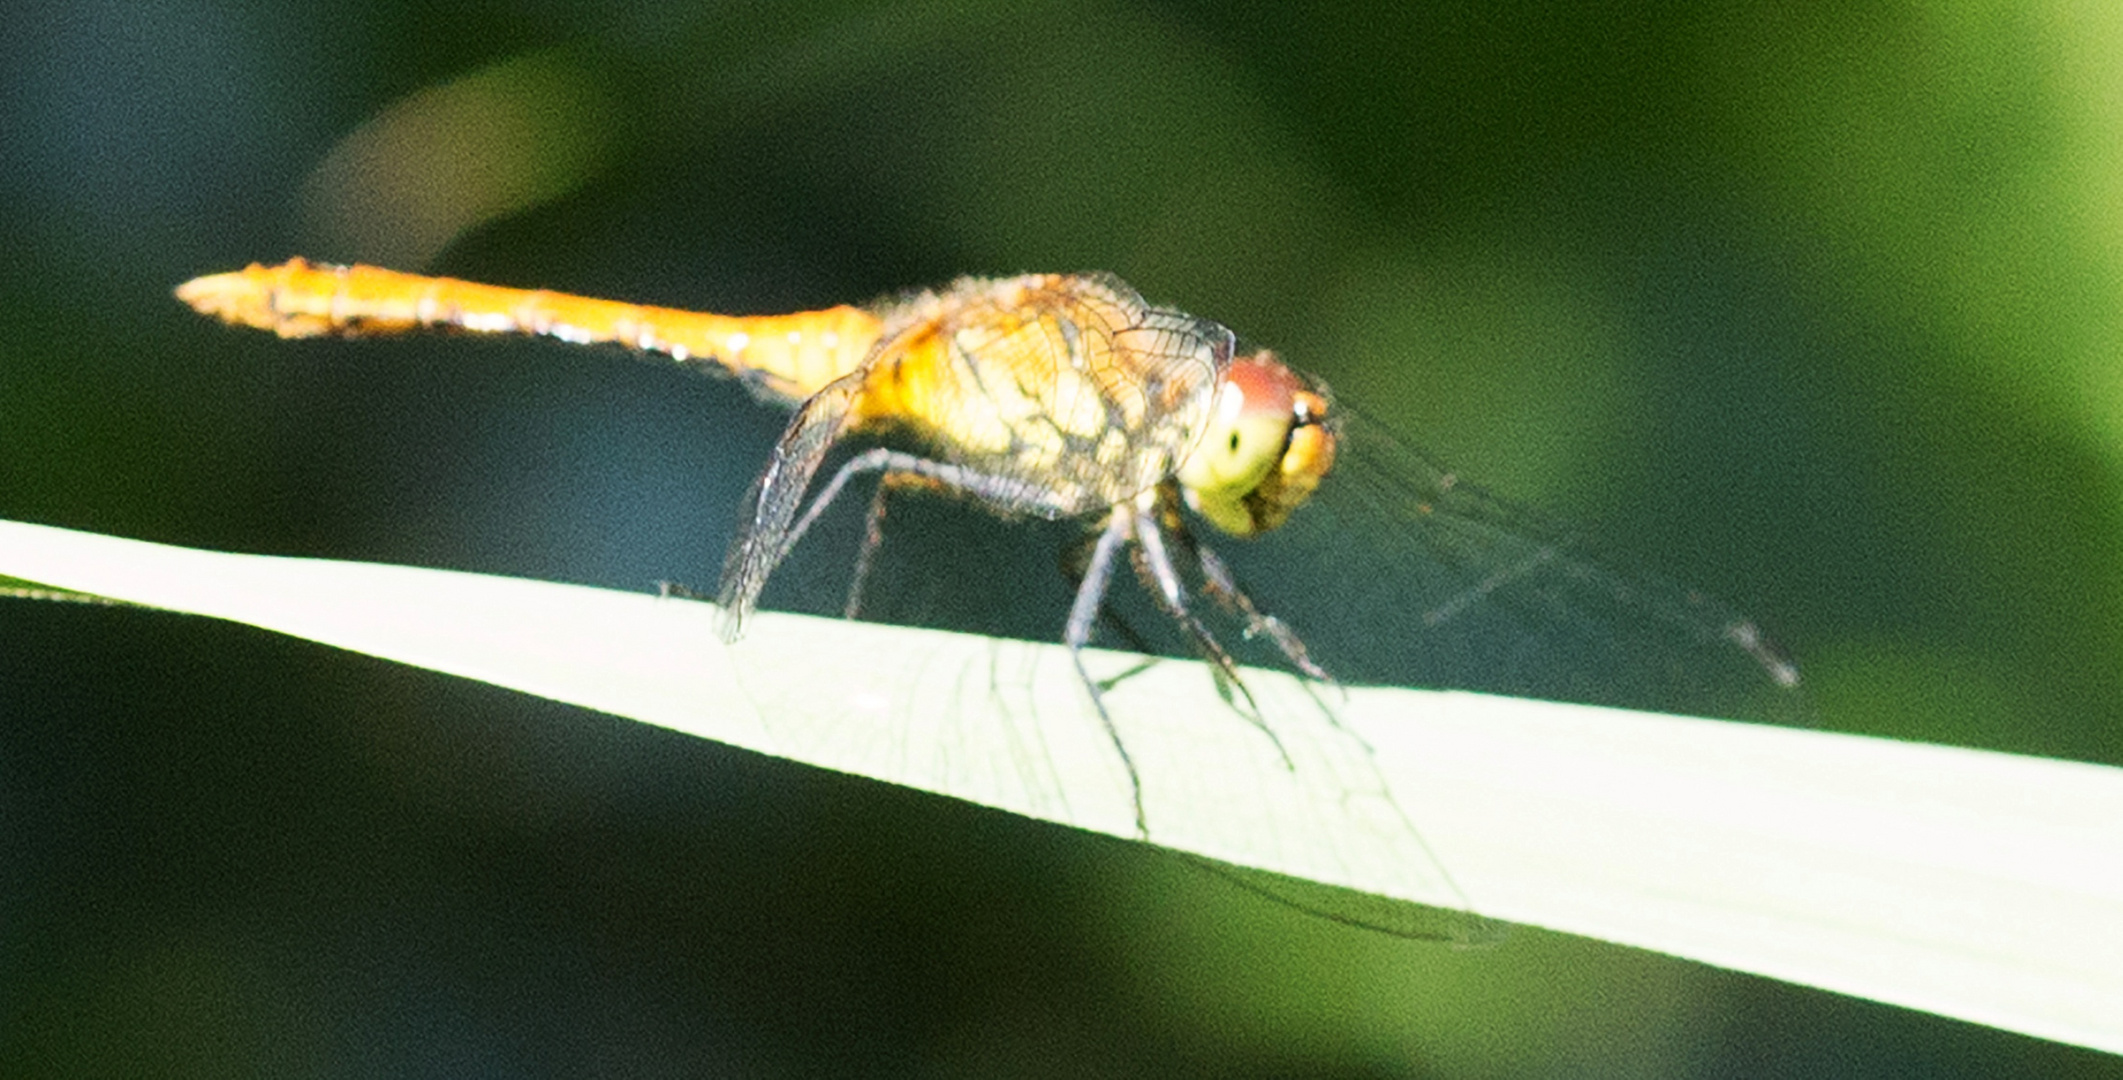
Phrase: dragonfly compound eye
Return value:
(1266, 446)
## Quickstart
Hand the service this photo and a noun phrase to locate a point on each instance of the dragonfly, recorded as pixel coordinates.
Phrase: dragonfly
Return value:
(1070, 397)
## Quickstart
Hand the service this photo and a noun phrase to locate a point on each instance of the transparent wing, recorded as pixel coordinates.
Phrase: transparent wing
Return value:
(1400, 573)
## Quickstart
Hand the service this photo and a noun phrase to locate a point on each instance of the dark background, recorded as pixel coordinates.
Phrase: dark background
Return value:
(1816, 310)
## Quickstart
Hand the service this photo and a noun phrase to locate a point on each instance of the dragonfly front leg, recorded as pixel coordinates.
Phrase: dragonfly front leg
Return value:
(1224, 587)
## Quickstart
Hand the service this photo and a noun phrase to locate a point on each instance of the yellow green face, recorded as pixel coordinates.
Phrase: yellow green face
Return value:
(1267, 444)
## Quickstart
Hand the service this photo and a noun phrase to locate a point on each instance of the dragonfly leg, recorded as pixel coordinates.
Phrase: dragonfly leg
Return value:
(904, 469)
(873, 537)
(1073, 561)
(1220, 584)
(873, 533)
(867, 461)
(1083, 612)
(873, 521)
(1161, 577)
(900, 469)
(775, 527)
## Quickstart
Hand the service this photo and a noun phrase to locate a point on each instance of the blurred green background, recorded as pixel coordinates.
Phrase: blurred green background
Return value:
(1815, 309)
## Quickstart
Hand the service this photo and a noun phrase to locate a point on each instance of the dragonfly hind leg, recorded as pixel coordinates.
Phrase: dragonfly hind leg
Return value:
(775, 527)
(873, 537)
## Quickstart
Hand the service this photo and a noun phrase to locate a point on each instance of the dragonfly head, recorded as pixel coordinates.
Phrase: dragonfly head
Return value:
(1268, 442)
